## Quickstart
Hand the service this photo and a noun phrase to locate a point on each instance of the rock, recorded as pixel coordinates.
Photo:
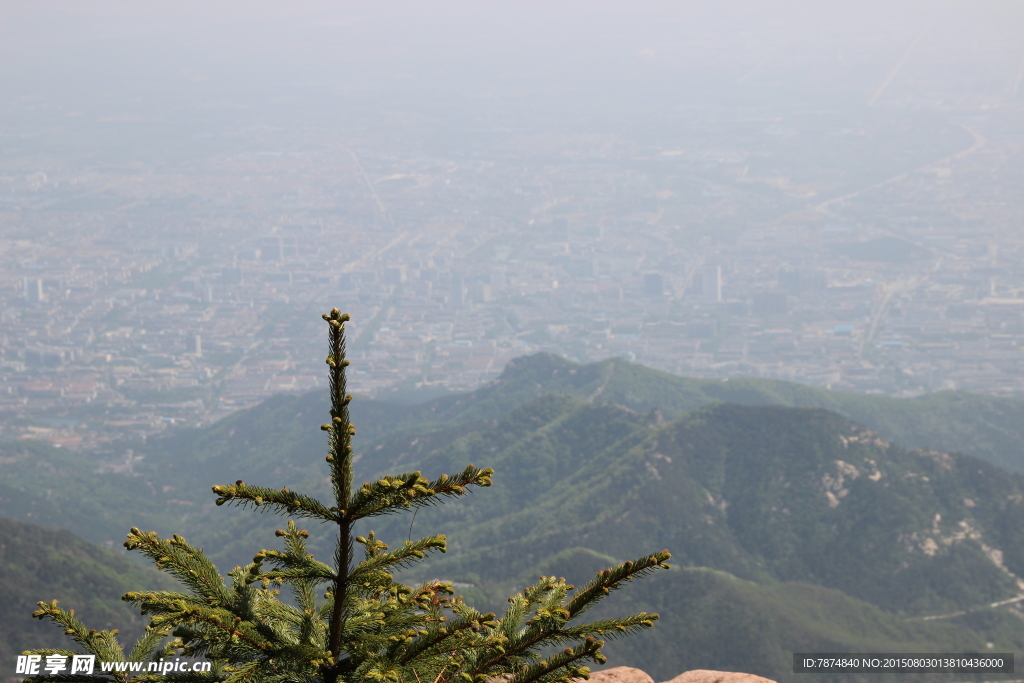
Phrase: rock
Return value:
(627, 674)
(707, 676)
(618, 674)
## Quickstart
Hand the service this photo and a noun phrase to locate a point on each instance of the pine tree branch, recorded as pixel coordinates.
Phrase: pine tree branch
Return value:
(397, 493)
(177, 677)
(295, 563)
(153, 602)
(547, 671)
(246, 674)
(280, 501)
(299, 568)
(610, 579)
(547, 626)
(609, 628)
(407, 555)
(435, 640)
(185, 562)
(340, 430)
(314, 573)
(103, 644)
(147, 644)
(220, 625)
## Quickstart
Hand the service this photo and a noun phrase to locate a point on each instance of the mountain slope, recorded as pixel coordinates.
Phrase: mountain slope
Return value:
(279, 442)
(711, 620)
(794, 503)
(763, 492)
(987, 427)
(51, 486)
(40, 563)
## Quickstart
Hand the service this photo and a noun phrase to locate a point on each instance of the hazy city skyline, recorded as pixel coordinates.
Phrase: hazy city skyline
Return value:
(828, 195)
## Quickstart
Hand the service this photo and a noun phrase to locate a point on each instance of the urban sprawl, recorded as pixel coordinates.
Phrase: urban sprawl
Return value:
(137, 296)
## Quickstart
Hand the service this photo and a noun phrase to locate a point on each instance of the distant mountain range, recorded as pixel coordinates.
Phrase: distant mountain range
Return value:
(798, 518)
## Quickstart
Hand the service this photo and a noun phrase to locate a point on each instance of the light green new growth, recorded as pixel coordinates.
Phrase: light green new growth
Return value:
(351, 621)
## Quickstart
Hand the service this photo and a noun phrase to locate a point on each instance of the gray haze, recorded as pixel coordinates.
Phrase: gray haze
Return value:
(821, 193)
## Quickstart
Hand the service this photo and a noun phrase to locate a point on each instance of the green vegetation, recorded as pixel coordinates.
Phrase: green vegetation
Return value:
(367, 626)
(988, 427)
(37, 561)
(55, 487)
(711, 620)
(765, 493)
(769, 483)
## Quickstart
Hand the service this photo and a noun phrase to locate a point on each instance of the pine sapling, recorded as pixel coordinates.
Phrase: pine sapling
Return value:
(347, 620)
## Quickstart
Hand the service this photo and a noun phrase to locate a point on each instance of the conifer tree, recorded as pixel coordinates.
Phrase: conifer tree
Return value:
(349, 621)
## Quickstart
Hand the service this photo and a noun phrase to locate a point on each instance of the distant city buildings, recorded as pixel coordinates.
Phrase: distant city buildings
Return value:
(33, 290)
(706, 261)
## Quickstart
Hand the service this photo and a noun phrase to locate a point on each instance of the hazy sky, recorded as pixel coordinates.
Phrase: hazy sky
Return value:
(192, 67)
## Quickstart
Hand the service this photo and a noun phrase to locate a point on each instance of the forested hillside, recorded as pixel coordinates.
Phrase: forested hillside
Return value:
(792, 524)
(42, 563)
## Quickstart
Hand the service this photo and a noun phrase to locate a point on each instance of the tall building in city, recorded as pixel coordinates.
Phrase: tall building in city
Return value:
(712, 281)
(34, 290)
(480, 292)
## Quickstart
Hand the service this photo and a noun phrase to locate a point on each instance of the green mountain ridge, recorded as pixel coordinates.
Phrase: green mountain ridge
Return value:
(277, 440)
(765, 493)
(799, 510)
(709, 618)
(987, 427)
